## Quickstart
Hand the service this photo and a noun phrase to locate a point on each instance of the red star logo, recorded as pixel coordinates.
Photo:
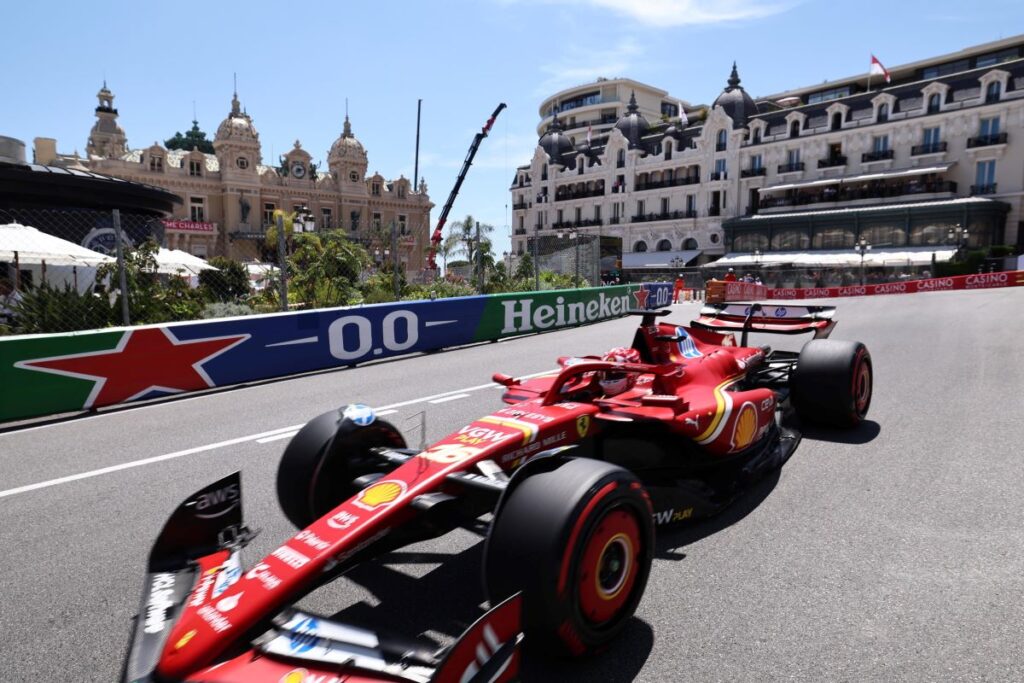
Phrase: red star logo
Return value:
(641, 295)
(144, 360)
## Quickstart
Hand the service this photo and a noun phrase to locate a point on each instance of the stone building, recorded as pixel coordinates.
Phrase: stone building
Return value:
(933, 157)
(229, 197)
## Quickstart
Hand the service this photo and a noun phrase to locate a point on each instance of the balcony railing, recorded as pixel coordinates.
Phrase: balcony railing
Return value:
(583, 223)
(832, 162)
(719, 175)
(986, 140)
(563, 195)
(791, 168)
(853, 193)
(715, 211)
(674, 182)
(614, 220)
(518, 205)
(663, 216)
(751, 172)
(983, 189)
(877, 156)
(931, 148)
(520, 231)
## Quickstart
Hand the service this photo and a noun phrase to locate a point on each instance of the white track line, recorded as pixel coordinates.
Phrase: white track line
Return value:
(262, 437)
(450, 398)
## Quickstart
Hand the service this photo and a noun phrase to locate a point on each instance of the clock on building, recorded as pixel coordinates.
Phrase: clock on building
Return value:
(242, 162)
(298, 169)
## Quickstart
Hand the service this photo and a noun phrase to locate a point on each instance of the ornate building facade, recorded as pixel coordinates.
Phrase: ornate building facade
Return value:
(904, 165)
(229, 197)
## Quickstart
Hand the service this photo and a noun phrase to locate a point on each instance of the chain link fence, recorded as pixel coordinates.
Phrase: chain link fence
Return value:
(76, 269)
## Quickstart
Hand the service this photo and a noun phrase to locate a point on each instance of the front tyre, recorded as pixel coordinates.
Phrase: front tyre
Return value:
(578, 541)
(832, 382)
(320, 462)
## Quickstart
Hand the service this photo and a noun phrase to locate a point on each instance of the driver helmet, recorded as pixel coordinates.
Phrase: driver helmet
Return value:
(615, 382)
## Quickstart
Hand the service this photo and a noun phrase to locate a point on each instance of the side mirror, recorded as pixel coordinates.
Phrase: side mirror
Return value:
(503, 379)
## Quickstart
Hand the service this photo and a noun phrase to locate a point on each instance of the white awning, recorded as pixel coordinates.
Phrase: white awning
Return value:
(908, 256)
(880, 175)
(173, 261)
(659, 259)
(36, 246)
(931, 204)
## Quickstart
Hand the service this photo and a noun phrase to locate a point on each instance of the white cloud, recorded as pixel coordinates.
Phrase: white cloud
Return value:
(671, 13)
(578, 66)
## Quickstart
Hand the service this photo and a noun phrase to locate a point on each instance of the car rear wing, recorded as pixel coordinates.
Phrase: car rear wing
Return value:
(770, 318)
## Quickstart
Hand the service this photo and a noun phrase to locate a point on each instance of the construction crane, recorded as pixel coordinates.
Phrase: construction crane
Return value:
(435, 239)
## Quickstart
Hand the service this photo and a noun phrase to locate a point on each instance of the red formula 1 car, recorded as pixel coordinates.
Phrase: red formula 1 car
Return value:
(577, 470)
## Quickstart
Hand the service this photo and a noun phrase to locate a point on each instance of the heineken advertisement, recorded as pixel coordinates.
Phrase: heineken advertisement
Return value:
(47, 374)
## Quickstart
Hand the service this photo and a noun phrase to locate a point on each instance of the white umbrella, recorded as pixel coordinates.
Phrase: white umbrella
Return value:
(173, 261)
(26, 244)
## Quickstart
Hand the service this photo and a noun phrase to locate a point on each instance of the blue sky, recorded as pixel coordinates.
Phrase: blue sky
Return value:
(298, 61)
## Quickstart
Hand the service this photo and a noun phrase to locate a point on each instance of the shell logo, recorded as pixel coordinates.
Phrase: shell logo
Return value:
(184, 639)
(381, 493)
(746, 426)
(294, 676)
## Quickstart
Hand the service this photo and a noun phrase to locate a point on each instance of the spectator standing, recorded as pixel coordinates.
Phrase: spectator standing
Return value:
(677, 288)
(730, 276)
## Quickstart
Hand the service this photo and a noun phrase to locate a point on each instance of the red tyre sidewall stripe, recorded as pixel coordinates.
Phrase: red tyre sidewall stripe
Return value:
(619, 523)
(858, 371)
(563, 576)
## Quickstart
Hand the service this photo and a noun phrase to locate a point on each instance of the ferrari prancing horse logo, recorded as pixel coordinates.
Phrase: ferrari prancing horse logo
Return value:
(582, 425)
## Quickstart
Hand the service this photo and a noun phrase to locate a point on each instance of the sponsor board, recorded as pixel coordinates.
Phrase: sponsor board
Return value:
(91, 369)
(940, 284)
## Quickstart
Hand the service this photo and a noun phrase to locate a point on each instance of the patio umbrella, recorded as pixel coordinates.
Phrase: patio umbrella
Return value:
(174, 261)
(25, 244)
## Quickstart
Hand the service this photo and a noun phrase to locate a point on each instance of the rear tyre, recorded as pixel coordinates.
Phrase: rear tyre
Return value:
(320, 462)
(578, 542)
(832, 382)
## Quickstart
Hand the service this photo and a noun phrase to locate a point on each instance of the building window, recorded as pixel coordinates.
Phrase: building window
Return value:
(930, 140)
(837, 121)
(375, 189)
(691, 205)
(620, 160)
(669, 110)
(793, 158)
(376, 220)
(597, 212)
(934, 103)
(664, 245)
(353, 176)
(989, 128)
(195, 168)
(401, 224)
(640, 207)
(721, 140)
(880, 144)
(883, 113)
(544, 172)
(794, 129)
(579, 169)
(992, 92)
(326, 220)
(826, 95)
(985, 177)
(521, 223)
(579, 214)
(156, 163)
(755, 162)
(668, 151)
(720, 172)
(664, 205)
(354, 218)
(757, 135)
(196, 209)
(640, 246)
(268, 213)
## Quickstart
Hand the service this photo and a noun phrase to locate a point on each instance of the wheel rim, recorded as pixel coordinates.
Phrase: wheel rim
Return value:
(608, 568)
(862, 387)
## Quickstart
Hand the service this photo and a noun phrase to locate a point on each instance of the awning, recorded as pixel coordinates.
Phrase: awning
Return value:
(908, 256)
(175, 261)
(881, 175)
(35, 246)
(927, 205)
(659, 259)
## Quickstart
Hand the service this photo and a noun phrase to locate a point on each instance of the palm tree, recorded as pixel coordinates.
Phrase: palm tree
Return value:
(462, 240)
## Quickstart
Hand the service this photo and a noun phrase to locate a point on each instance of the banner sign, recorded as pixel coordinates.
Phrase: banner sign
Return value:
(190, 226)
(740, 291)
(46, 374)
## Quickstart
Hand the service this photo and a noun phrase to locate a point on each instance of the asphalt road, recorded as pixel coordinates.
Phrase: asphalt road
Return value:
(895, 552)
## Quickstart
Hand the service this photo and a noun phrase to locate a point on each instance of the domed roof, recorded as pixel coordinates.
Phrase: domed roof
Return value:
(632, 125)
(347, 145)
(238, 124)
(735, 101)
(555, 142)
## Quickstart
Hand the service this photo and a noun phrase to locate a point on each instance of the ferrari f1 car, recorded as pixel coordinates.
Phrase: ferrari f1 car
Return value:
(577, 470)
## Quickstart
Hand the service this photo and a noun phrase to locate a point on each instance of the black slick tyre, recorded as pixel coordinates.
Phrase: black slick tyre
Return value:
(320, 462)
(578, 542)
(832, 382)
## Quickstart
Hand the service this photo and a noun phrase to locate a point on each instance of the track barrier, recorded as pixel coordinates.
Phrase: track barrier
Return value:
(56, 373)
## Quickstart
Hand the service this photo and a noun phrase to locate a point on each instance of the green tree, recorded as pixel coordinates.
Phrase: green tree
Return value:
(49, 309)
(324, 269)
(152, 298)
(230, 282)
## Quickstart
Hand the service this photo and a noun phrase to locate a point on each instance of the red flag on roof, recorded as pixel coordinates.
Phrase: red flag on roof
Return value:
(878, 70)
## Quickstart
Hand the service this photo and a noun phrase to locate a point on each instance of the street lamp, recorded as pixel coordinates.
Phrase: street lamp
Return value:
(862, 247)
(958, 236)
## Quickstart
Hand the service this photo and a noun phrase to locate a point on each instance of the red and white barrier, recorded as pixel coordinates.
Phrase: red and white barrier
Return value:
(744, 291)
